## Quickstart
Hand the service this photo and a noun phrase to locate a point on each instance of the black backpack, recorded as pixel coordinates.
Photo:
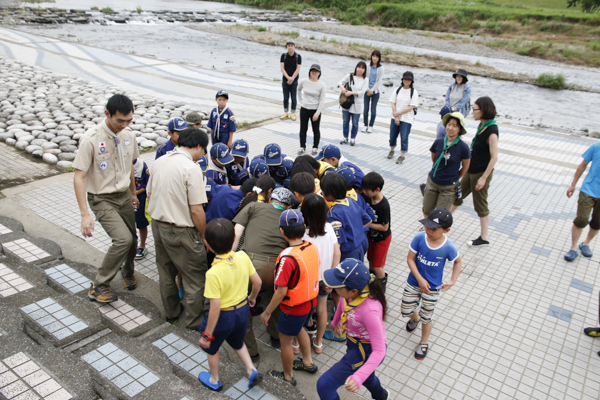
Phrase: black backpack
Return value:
(412, 91)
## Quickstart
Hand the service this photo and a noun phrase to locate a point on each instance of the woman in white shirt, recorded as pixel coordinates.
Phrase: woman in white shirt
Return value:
(311, 96)
(404, 99)
(358, 88)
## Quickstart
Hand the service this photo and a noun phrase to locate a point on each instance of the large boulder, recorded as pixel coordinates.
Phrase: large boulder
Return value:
(64, 165)
(50, 158)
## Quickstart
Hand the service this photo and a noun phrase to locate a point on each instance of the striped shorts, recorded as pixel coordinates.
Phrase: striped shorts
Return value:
(413, 296)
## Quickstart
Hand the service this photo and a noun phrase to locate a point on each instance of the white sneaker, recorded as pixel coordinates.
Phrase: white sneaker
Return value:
(302, 150)
(370, 129)
(365, 129)
(315, 151)
(352, 142)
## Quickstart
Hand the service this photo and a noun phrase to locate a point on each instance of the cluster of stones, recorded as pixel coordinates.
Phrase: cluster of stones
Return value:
(58, 16)
(45, 114)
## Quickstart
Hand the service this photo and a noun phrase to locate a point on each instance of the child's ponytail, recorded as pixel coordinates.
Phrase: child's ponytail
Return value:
(377, 293)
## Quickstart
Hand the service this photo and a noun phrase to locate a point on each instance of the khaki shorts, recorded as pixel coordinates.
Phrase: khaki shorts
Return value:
(468, 183)
(585, 205)
(437, 196)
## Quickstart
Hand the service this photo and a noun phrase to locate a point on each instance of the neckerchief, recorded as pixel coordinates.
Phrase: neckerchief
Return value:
(353, 304)
(224, 258)
(343, 202)
(446, 148)
(278, 206)
(138, 169)
(480, 129)
(117, 144)
(351, 194)
(218, 122)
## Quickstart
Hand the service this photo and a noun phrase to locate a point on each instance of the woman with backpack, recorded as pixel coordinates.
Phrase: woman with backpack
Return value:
(353, 87)
(458, 96)
(405, 100)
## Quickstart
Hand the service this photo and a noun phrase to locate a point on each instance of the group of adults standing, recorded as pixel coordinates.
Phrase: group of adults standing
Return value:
(458, 169)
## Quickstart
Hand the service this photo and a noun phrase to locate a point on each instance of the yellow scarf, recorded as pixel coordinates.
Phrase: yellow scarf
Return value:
(353, 304)
(224, 258)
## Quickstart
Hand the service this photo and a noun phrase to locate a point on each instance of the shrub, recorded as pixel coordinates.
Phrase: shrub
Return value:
(139, 9)
(551, 81)
(107, 10)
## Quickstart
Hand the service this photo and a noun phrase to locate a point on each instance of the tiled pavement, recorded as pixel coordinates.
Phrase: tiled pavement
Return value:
(122, 314)
(11, 283)
(54, 318)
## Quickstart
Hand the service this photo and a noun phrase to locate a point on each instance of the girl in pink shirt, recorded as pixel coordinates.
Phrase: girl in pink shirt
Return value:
(360, 314)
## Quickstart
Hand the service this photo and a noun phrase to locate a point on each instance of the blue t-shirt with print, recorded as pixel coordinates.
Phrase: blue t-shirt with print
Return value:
(431, 262)
(449, 167)
(372, 77)
(591, 183)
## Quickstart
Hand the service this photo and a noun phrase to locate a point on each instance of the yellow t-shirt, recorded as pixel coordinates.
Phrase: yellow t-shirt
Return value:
(228, 278)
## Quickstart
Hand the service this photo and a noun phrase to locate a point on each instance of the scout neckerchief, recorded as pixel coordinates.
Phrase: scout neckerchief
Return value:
(138, 169)
(343, 202)
(446, 149)
(226, 258)
(353, 304)
(218, 122)
(480, 129)
(117, 145)
(351, 194)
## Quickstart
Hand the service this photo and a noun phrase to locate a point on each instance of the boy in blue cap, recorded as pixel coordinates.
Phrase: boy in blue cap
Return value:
(176, 125)
(281, 173)
(239, 151)
(217, 174)
(227, 200)
(272, 156)
(221, 121)
(332, 155)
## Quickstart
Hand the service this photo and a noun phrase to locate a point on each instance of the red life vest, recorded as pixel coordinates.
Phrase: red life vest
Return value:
(307, 288)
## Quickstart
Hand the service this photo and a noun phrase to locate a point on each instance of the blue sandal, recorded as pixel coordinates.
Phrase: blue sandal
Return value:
(330, 336)
(585, 250)
(204, 378)
(254, 379)
(571, 255)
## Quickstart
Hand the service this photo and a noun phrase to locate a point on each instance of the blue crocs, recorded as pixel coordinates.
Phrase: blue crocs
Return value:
(330, 336)
(254, 379)
(204, 378)
(585, 250)
(571, 255)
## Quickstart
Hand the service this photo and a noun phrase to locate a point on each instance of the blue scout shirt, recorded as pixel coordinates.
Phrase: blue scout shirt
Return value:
(343, 216)
(164, 149)
(225, 203)
(222, 128)
(141, 182)
(591, 183)
(431, 262)
(351, 194)
(234, 169)
(449, 167)
(215, 176)
(358, 174)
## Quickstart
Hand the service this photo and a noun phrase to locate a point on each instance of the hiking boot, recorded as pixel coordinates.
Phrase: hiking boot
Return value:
(400, 160)
(130, 283)
(141, 253)
(280, 375)
(299, 366)
(101, 294)
(391, 154)
(284, 116)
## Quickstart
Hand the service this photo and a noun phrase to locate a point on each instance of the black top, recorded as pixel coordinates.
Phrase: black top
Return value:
(481, 151)
(449, 167)
(382, 216)
(290, 63)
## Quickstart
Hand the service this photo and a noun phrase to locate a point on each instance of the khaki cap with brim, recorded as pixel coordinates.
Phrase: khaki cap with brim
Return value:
(459, 117)
(193, 118)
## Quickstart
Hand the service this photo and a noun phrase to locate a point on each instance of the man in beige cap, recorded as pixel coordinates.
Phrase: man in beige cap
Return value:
(104, 169)
(176, 194)
(194, 119)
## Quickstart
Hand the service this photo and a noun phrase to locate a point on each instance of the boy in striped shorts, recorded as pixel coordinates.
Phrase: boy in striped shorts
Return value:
(426, 259)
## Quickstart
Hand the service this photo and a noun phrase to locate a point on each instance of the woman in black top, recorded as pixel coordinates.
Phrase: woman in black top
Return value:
(484, 155)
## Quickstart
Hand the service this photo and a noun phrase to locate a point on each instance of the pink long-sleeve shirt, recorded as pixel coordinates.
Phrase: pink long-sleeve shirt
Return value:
(365, 322)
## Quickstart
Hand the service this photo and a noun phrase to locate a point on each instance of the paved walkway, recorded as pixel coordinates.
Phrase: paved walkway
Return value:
(512, 325)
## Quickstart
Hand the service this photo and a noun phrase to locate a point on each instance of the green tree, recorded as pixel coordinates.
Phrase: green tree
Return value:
(586, 5)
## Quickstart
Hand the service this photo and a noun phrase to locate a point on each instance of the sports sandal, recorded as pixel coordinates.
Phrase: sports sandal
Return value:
(411, 325)
(593, 332)
(280, 375)
(421, 352)
(319, 348)
(299, 366)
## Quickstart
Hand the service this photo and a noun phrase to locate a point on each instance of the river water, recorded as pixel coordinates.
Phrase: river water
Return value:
(563, 111)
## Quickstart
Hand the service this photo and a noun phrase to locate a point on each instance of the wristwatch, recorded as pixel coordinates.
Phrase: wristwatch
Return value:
(207, 337)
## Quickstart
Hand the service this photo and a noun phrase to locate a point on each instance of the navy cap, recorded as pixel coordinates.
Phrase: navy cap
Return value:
(283, 171)
(291, 217)
(329, 151)
(350, 273)
(177, 124)
(240, 148)
(272, 154)
(258, 168)
(222, 93)
(220, 152)
(347, 173)
(438, 218)
(445, 110)
(283, 195)
(286, 183)
(203, 163)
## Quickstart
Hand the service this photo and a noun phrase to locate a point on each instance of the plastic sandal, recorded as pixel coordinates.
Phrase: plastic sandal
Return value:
(319, 348)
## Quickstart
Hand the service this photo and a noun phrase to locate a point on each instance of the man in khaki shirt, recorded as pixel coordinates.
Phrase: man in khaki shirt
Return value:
(176, 193)
(104, 169)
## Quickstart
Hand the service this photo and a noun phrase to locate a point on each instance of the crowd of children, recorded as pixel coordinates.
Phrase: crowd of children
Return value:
(330, 216)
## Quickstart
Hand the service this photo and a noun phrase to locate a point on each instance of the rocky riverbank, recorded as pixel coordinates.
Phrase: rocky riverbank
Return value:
(45, 114)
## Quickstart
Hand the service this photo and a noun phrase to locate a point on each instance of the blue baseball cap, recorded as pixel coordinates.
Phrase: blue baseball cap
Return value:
(272, 154)
(240, 148)
(177, 124)
(258, 168)
(347, 173)
(222, 93)
(350, 273)
(329, 151)
(220, 152)
(291, 217)
(286, 183)
(445, 110)
(203, 163)
(283, 171)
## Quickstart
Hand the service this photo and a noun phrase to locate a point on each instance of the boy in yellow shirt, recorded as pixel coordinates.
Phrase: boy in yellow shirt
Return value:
(227, 288)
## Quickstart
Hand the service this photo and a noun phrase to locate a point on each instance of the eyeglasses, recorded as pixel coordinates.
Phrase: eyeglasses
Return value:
(477, 109)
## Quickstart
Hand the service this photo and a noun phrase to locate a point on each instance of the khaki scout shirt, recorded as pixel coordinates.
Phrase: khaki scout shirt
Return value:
(176, 183)
(99, 158)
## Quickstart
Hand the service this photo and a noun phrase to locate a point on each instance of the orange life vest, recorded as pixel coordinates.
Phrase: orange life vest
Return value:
(307, 289)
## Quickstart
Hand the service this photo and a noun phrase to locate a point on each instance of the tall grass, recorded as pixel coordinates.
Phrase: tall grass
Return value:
(551, 81)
